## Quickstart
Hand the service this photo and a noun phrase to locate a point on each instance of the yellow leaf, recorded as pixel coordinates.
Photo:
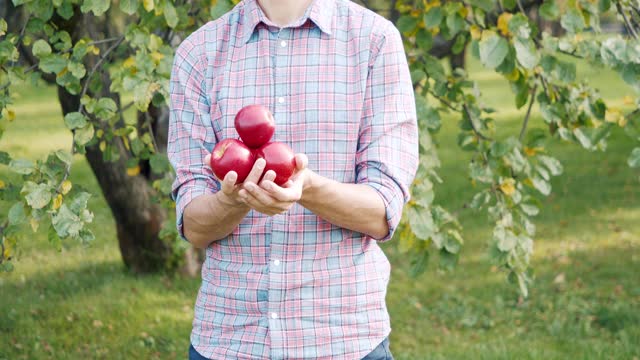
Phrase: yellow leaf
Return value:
(475, 31)
(508, 186)
(93, 49)
(529, 151)
(103, 145)
(431, 4)
(34, 224)
(7, 252)
(435, 30)
(11, 114)
(514, 75)
(133, 171)
(503, 22)
(125, 140)
(65, 187)
(463, 11)
(2, 184)
(613, 115)
(148, 4)
(157, 56)
(627, 100)
(57, 202)
(129, 63)
(99, 133)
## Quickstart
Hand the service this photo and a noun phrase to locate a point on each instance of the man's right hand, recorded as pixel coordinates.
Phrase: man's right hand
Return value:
(229, 189)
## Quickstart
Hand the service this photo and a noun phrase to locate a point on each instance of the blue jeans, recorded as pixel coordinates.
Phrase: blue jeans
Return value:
(381, 352)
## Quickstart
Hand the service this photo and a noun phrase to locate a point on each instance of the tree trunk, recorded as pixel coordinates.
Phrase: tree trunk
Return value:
(137, 217)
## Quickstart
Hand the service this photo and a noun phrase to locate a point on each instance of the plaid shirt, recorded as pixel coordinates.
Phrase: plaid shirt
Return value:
(337, 81)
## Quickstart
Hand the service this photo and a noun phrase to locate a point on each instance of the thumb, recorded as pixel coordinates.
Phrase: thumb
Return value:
(301, 161)
(207, 160)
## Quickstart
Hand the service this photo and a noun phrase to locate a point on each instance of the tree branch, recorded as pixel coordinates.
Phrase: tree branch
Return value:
(626, 20)
(526, 117)
(473, 126)
(95, 67)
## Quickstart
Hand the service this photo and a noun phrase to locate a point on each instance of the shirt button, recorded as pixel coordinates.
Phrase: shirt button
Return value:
(274, 315)
(276, 262)
(281, 100)
(283, 43)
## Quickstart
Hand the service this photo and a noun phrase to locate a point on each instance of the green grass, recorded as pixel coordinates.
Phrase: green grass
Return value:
(585, 304)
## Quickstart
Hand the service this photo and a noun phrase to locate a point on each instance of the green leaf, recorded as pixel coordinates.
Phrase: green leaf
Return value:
(106, 108)
(493, 50)
(170, 14)
(77, 69)
(221, 7)
(549, 10)
(566, 71)
(634, 158)
(75, 120)
(453, 241)
(486, 5)
(505, 239)
(424, 39)
(159, 163)
(16, 214)
(37, 195)
(572, 20)
(21, 166)
(41, 48)
(52, 63)
(407, 23)
(480, 172)
(66, 222)
(129, 6)
(84, 134)
(419, 263)
(86, 235)
(433, 17)
(526, 53)
(529, 209)
(64, 156)
(5, 158)
(480, 199)
(79, 202)
(421, 222)
(501, 148)
(455, 23)
(541, 185)
(98, 7)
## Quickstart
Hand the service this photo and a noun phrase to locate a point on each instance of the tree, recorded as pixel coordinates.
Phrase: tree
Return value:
(97, 53)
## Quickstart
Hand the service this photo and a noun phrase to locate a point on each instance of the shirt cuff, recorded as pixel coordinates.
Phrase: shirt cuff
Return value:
(186, 194)
(390, 192)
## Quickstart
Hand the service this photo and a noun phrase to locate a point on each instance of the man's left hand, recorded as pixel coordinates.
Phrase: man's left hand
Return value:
(271, 199)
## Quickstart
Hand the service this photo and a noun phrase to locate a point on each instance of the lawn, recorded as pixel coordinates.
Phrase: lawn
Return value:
(81, 303)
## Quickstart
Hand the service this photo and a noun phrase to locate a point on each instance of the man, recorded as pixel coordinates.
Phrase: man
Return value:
(294, 271)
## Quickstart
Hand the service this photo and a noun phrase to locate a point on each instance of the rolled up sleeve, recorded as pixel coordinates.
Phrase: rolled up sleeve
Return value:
(387, 155)
(191, 136)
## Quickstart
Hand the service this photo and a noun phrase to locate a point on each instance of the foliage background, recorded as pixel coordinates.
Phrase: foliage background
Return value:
(587, 232)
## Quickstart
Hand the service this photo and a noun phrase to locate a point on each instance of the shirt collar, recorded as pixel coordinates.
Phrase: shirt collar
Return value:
(320, 12)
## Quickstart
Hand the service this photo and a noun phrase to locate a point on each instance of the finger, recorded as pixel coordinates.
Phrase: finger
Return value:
(256, 171)
(268, 176)
(229, 182)
(261, 195)
(290, 194)
(207, 160)
(257, 205)
(301, 161)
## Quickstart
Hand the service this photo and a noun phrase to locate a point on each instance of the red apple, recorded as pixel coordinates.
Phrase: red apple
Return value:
(232, 154)
(255, 125)
(280, 158)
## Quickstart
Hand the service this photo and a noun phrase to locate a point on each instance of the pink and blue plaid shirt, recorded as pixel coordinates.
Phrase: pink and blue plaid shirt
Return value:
(295, 286)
